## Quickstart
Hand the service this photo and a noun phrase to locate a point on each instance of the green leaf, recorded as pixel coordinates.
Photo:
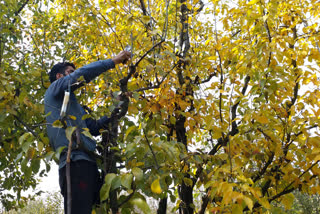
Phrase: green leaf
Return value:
(35, 165)
(130, 129)
(136, 95)
(40, 146)
(141, 204)
(58, 151)
(48, 114)
(27, 172)
(87, 133)
(18, 157)
(57, 124)
(188, 181)
(138, 173)
(49, 155)
(126, 180)
(86, 116)
(105, 189)
(26, 146)
(69, 131)
(116, 183)
(172, 120)
(24, 137)
(45, 140)
(171, 55)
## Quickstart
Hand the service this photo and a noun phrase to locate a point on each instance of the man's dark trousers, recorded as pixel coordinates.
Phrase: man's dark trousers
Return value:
(85, 186)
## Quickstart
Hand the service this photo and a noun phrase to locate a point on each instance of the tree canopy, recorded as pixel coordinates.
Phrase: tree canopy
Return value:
(220, 108)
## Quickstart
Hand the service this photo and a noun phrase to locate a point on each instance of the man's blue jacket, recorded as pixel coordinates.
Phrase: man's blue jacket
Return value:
(53, 100)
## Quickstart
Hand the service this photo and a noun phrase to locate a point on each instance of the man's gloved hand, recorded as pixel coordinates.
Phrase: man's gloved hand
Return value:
(122, 57)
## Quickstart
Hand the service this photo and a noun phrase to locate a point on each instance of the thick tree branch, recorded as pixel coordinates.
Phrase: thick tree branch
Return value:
(201, 7)
(302, 174)
(221, 88)
(143, 7)
(223, 141)
(205, 201)
(184, 42)
(286, 190)
(234, 129)
(264, 169)
(162, 209)
(209, 78)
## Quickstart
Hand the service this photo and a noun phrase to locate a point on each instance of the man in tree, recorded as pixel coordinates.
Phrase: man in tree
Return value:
(83, 167)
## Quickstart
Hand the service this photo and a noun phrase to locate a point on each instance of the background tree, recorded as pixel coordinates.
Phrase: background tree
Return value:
(224, 98)
(303, 203)
(51, 203)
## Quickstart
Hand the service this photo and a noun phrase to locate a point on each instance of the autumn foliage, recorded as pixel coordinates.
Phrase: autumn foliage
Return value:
(224, 112)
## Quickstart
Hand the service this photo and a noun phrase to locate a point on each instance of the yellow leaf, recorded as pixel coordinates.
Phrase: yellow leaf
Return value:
(155, 108)
(86, 116)
(237, 209)
(265, 203)
(188, 181)
(155, 186)
(262, 119)
(31, 153)
(145, 19)
(172, 120)
(253, 2)
(138, 173)
(183, 104)
(317, 158)
(72, 117)
(139, 164)
(287, 200)
(133, 110)
(57, 124)
(248, 202)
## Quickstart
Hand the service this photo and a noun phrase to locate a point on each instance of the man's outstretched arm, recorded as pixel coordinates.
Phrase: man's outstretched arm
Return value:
(89, 72)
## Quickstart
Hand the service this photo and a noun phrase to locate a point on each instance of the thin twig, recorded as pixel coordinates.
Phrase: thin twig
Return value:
(111, 54)
(158, 84)
(165, 27)
(19, 10)
(151, 49)
(209, 78)
(107, 22)
(264, 169)
(26, 126)
(148, 142)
